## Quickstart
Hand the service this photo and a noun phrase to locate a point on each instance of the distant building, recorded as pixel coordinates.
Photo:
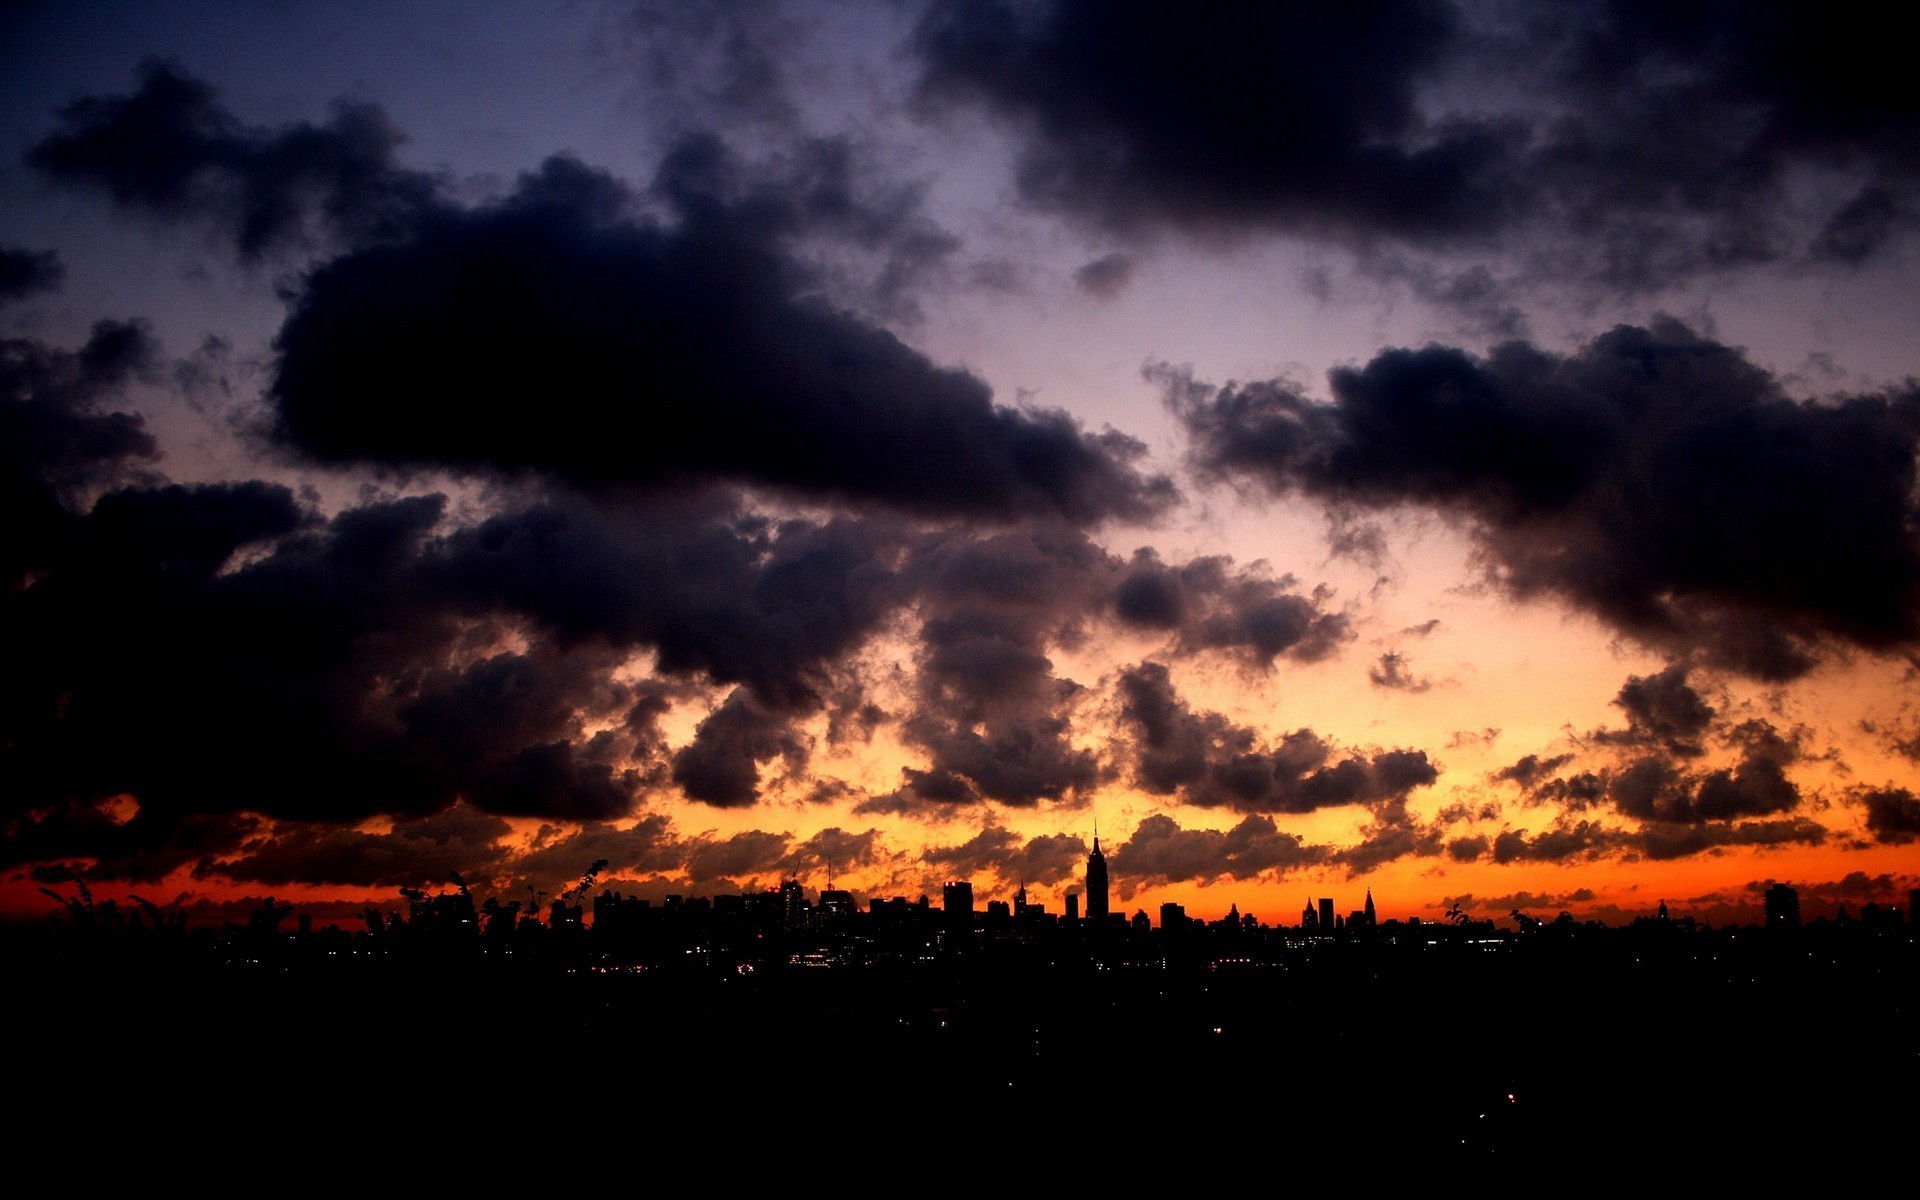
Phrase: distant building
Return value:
(1783, 907)
(956, 899)
(1327, 924)
(1097, 884)
(1073, 907)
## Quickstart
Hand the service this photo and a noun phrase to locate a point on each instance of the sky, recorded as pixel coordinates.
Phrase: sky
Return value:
(1461, 452)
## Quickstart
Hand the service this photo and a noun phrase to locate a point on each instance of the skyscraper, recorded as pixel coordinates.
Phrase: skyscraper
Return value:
(1097, 884)
(1783, 907)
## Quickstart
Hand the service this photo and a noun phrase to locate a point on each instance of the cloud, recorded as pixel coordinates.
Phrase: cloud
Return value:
(1659, 841)
(1893, 815)
(172, 150)
(1160, 851)
(1392, 674)
(417, 853)
(1133, 115)
(1215, 605)
(58, 444)
(998, 851)
(1532, 769)
(95, 835)
(204, 639)
(1392, 834)
(26, 272)
(560, 856)
(1207, 760)
(1618, 146)
(1570, 840)
(721, 765)
(1105, 277)
(546, 335)
(1652, 789)
(1663, 710)
(1654, 478)
(741, 855)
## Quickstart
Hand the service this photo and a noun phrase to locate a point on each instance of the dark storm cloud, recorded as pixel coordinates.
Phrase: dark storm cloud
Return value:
(1160, 851)
(1468, 849)
(1686, 126)
(143, 848)
(715, 590)
(1653, 789)
(58, 443)
(547, 337)
(559, 857)
(1214, 116)
(171, 149)
(26, 272)
(996, 850)
(1519, 900)
(1207, 760)
(1572, 840)
(1613, 142)
(215, 648)
(416, 853)
(1660, 841)
(1662, 710)
(721, 765)
(744, 855)
(1213, 604)
(1532, 769)
(993, 717)
(1893, 815)
(1394, 833)
(835, 849)
(487, 339)
(1654, 478)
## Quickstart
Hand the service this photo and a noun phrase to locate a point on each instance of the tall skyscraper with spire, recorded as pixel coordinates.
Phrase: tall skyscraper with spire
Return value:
(1097, 881)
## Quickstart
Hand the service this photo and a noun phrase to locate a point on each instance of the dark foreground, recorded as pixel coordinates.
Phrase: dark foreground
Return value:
(1544, 1063)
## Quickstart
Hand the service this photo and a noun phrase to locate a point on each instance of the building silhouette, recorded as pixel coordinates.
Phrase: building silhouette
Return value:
(1097, 884)
(1783, 907)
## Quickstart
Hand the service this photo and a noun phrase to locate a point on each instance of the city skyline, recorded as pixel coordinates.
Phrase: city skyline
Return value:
(1458, 454)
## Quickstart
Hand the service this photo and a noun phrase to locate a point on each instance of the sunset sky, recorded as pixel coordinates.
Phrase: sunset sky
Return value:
(1465, 452)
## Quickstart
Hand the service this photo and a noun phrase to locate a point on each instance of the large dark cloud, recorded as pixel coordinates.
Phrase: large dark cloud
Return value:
(171, 149)
(104, 838)
(714, 589)
(1213, 604)
(1393, 833)
(548, 335)
(1663, 710)
(59, 443)
(1684, 129)
(215, 648)
(1160, 851)
(998, 851)
(1893, 815)
(25, 272)
(1615, 142)
(721, 765)
(1655, 478)
(416, 853)
(1651, 789)
(1207, 760)
(1290, 116)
